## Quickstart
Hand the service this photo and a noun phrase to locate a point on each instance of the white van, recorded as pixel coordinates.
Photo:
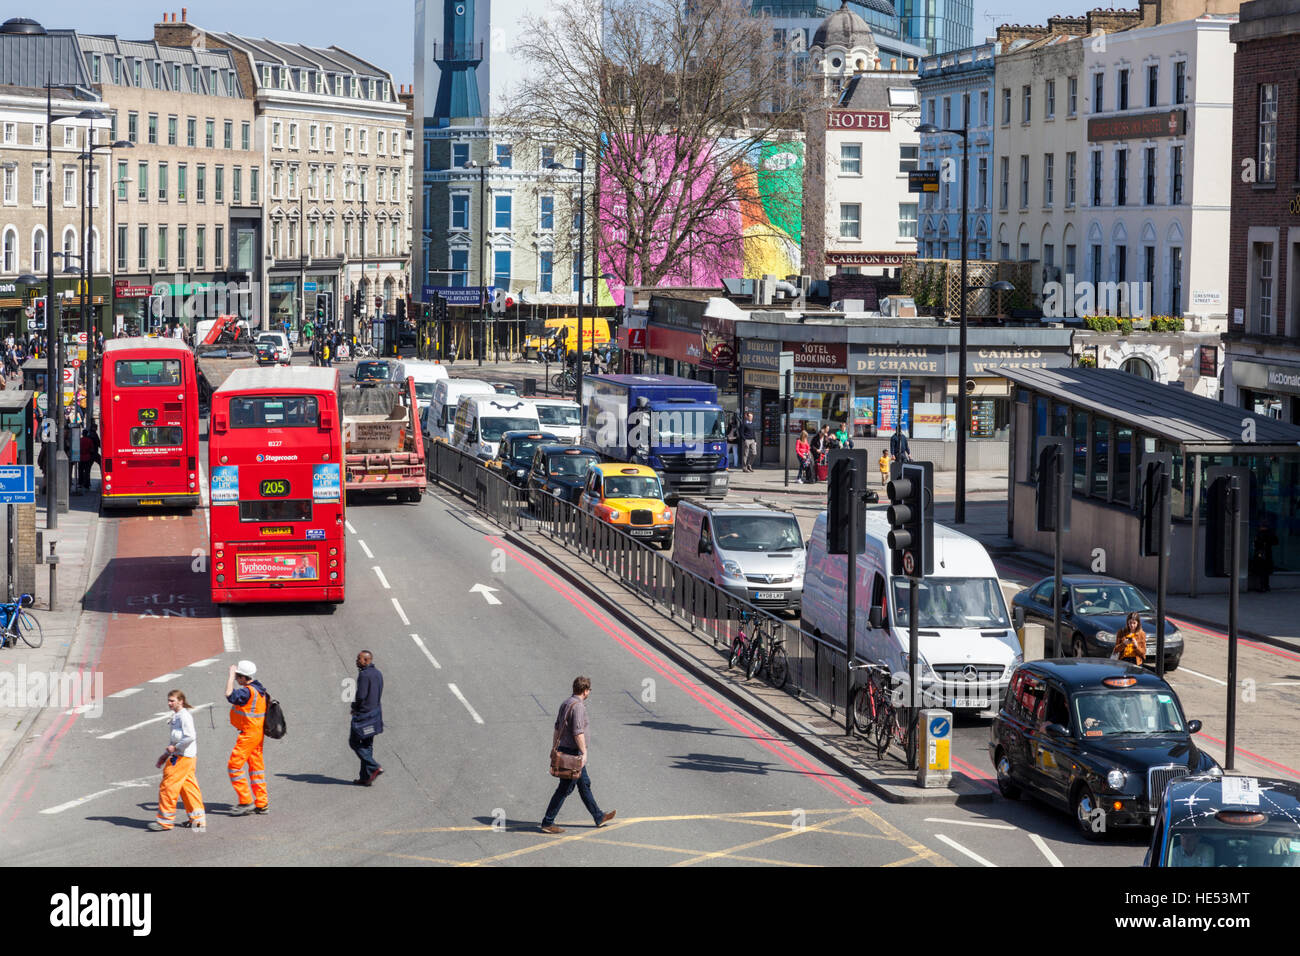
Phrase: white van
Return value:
(427, 375)
(562, 417)
(446, 396)
(754, 551)
(481, 420)
(967, 646)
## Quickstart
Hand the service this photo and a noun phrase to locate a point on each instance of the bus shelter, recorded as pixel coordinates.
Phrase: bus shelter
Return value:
(1111, 419)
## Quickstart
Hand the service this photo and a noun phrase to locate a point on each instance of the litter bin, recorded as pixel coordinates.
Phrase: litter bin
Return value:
(530, 386)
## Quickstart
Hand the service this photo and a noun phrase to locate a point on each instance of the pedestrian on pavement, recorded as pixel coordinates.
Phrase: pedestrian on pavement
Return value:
(89, 456)
(248, 703)
(733, 440)
(842, 439)
(803, 452)
(178, 765)
(749, 435)
(1131, 641)
(898, 446)
(570, 737)
(451, 352)
(1260, 566)
(883, 465)
(367, 717)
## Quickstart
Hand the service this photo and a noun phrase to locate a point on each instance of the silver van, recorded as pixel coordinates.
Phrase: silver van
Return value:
(446, 396)
(754, 551)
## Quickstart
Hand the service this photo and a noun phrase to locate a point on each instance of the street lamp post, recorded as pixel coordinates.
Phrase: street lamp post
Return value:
(87, 261)
(582, 267)
(360, 301)
(482, 250)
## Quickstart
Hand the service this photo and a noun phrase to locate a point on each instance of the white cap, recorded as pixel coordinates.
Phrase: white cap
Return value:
(247, 668)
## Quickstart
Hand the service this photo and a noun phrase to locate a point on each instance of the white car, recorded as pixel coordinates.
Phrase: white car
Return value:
(283, 351)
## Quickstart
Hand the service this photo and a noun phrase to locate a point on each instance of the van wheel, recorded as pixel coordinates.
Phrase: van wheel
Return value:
(1006, 786)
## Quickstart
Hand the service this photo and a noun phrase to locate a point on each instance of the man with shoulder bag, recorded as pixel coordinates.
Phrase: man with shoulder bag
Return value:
(569, 758)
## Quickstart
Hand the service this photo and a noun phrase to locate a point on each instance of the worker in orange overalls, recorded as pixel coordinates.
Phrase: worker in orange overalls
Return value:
(247, 713)
(178, 769)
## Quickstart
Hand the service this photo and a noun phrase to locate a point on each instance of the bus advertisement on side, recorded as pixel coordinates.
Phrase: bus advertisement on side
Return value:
(150, 419)
(276, 490)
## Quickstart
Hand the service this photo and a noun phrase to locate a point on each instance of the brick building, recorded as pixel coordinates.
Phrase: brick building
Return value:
(1262, 347)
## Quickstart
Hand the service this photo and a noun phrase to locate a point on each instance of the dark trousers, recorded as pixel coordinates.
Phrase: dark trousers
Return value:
(562, 791)
(364, 748)
(83, 469)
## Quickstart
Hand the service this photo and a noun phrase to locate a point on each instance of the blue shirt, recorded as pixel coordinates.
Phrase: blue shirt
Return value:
(239, 696)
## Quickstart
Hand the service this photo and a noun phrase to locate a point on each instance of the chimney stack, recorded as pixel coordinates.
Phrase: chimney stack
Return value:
(183, 13)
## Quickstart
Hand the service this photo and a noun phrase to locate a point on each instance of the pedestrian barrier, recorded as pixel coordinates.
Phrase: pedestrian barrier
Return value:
(817, 667)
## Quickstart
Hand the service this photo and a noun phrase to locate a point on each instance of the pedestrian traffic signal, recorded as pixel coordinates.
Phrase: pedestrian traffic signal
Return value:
(1153, 518)
(846, 526)
(1053, 491)
(911, 533)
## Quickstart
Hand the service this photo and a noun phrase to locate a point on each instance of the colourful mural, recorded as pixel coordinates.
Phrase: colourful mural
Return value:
(755, 232)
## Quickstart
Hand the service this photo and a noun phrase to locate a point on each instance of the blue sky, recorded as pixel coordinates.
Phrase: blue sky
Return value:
(376, 30)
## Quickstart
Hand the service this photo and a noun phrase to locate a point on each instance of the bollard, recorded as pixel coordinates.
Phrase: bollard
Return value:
(934, 749)
(53, 562)
(1033, 640)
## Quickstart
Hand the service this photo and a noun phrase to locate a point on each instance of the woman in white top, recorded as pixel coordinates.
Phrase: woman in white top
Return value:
(178, 766)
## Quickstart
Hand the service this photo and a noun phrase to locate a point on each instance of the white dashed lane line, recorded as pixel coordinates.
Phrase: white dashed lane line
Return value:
(461, 697)
(348, 525)
(141, 782)
(365, 549)
(113, 735)
(164, 677)
(382, 580)
(425, 651)
(126, 693)
(1042, 845)
(972, 823)
(961, 849)
(400, 613)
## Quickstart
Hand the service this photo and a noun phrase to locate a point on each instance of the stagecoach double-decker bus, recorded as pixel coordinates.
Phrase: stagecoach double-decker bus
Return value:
(275, 450)
(149, 410)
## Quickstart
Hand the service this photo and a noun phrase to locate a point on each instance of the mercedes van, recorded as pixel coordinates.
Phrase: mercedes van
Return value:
(446, 396)
(968, 647)
(426, 375)
(754, 551)
(481, 420)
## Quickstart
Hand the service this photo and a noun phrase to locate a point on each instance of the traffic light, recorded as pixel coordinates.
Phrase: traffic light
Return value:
(39, 316)
(1155, 503)
(401, 307)
(1223, 505)
(844, 490)
(322, 308)
(156, 308)
(911, 533)
(1052, 484)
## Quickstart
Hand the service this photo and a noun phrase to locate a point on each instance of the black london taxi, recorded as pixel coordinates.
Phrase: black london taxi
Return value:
(515, 454)
(1224, 820)
(1098, 738)
(559, 470)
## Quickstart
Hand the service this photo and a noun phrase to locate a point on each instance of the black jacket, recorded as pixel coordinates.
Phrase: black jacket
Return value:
(366, 708)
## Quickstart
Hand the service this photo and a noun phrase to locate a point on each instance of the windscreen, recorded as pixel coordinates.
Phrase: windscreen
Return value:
(558, 415)
(130, 373)
(1127, 713)
(572, 465)
(491, 429)
(275, 509)
(424, 391)
(1204, 846)
(521, 449)
(678, 428)
(952, 602)
(372, 370)
(772, 532)
(632, 486)
(1108, 599)
(156, 436)
(274, 411)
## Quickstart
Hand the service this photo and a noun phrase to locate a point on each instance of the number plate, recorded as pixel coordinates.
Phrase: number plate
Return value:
(641, 532)
(981, 702)
(150, 501)
(693, 477)
(769, 595)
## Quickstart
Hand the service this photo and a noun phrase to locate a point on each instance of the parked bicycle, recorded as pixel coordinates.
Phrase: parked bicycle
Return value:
(742, 645)
(364, 351)
(769, 653)
(565, 380)
(877, 717)
(19, 624)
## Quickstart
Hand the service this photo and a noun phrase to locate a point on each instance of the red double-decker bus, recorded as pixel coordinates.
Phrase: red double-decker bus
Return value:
(275, 451)
(150, 418)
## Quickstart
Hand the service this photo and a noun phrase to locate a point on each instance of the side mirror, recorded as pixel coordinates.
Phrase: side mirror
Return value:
(876, 616)
(1018, 616)
(1056, 730)
(1193, 726)
(705, 547)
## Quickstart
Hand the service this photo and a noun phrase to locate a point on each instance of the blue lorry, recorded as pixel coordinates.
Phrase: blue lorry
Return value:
(674, 425)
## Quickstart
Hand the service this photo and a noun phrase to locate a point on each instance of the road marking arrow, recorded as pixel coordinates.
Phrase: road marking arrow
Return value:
(486, 591)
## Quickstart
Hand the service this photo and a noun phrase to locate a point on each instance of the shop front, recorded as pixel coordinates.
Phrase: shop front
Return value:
(819, 397)
(1271, 389)
(130, 305)
(283, 306)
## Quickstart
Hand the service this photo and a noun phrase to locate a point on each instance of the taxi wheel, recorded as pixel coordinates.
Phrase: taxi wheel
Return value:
(1088, 814)
(1006, 786)
(1080, 648)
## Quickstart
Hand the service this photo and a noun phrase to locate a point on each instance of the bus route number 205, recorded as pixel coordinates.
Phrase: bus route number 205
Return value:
(275, 488)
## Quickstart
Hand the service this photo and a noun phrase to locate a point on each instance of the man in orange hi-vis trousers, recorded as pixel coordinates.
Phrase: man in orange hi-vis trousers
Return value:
(247, 713)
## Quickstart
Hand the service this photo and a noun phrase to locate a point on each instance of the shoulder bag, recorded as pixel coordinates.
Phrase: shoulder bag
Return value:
(565, 766)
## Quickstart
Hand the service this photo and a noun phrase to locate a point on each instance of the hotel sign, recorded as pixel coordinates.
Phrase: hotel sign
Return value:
(1141, 126)
(877, 120)
(869, 258)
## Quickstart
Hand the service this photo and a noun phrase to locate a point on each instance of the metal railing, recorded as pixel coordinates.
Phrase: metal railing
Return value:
(817, 667)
